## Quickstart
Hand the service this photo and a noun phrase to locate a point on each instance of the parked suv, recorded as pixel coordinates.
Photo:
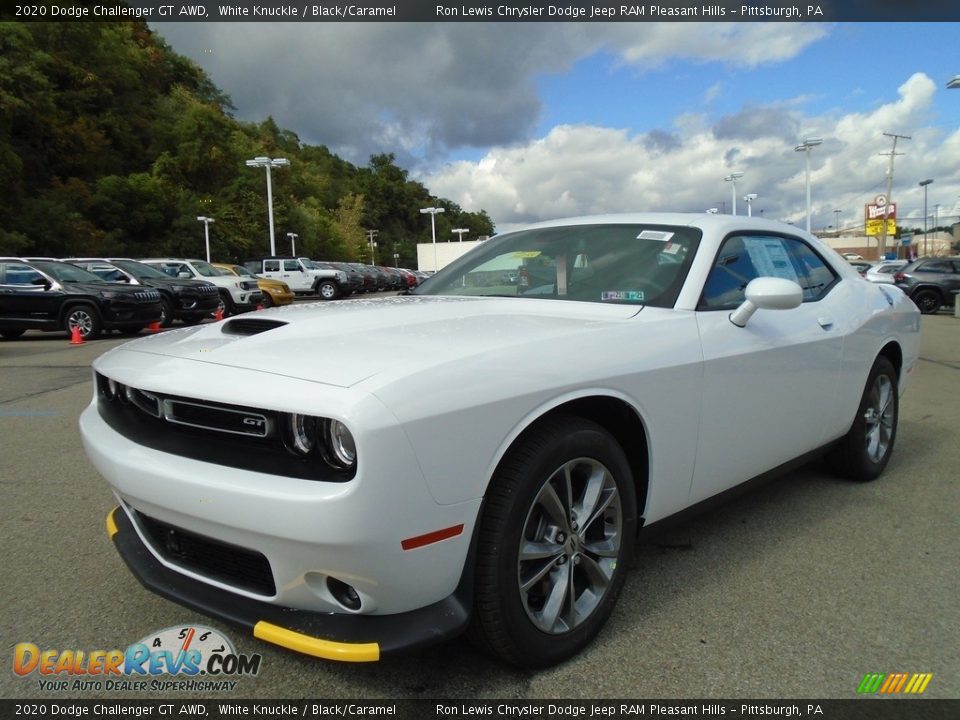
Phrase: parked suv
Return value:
(237, 295)
(931, 282)
(51, 295)
(181, 299)
(274, 291)
(302, 275)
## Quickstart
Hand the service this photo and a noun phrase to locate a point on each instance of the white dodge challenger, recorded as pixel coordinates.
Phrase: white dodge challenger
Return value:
(363, 477)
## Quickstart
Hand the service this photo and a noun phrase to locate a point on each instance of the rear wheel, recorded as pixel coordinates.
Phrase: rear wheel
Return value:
(555, 542)
(865, 450)
(929, 301)
(86, 318)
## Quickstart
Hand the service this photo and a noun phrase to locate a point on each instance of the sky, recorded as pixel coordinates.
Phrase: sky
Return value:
(537, 121)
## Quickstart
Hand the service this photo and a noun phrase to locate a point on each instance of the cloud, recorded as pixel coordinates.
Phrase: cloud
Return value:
(420, 90)
(577, 170)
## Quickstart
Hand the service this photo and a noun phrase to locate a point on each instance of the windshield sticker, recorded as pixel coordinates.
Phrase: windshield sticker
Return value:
(672, 248)
(660, 235)
(621, 295)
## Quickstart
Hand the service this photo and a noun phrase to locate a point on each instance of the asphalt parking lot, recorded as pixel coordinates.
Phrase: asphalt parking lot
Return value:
(795, 590)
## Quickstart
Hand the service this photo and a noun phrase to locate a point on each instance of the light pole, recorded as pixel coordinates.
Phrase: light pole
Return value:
(750, 197)
(432, 211)
(460, 232)
(836, 222)
(268, 164)
(732, 178)
(954, 83)
(206, 231)
(923, 184)
(293, 243)
(804, 147)
(371, 234)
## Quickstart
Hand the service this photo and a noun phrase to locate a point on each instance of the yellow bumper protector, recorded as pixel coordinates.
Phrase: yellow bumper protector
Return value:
(327, 649)
(111, 525)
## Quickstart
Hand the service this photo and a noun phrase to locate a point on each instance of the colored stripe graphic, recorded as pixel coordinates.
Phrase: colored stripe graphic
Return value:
(894, 683)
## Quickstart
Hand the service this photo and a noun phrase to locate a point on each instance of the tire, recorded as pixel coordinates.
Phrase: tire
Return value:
(11, 334)
(267, 301)
(328, 290)
(166, 313)
(86, 318)
(865, 450)
(513, 615)
(226, 304)
(929, 301)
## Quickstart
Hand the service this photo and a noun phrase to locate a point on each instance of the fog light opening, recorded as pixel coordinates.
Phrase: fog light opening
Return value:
(344, 594)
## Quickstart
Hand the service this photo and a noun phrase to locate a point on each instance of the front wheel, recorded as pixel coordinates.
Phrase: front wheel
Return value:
(225, 306)
(865, 450)
(328, 290)
(86, 318)
(555, 542)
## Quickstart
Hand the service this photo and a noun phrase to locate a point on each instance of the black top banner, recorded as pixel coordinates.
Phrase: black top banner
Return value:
(482, 11)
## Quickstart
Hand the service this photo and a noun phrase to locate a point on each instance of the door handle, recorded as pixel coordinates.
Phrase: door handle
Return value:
(825, 322)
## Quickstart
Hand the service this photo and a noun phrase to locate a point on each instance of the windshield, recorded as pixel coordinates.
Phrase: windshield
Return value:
(140, 271)
(65, 272)
(242, 271)
(205, 268)
(624, 263)
(309, 264)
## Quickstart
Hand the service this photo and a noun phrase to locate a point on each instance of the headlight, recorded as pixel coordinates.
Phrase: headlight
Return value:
(308, 436)
(108, 294)
(339, 444)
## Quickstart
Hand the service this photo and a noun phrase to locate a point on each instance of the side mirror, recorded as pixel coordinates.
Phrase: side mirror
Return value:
(41, 282)
(767, 293)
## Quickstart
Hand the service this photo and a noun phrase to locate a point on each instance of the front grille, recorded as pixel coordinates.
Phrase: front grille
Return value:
(240, 567)
(207, 290)
(147, 295)
(227, 435)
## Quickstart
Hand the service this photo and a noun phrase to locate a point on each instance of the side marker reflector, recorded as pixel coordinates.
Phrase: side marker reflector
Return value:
(431, 537)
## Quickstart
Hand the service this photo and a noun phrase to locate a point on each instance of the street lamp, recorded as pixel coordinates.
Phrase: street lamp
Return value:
(268, 164)
(371, 234)
(293, 243)
(432, 211)
(460, 232)
(804, 147)
(954, 82)
(732, 178)
(206, 231)
(923, 184)
(750, 197)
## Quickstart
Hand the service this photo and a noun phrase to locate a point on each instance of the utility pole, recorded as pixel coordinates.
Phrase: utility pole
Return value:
(886, 208)
(836, 222)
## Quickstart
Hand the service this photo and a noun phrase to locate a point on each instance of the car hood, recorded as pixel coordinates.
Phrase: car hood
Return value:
(345, 342)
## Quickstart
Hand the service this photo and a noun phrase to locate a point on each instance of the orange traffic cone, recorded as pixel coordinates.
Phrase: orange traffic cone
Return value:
(218, 315)
(260, 306)
(154, 326)
(76, 337)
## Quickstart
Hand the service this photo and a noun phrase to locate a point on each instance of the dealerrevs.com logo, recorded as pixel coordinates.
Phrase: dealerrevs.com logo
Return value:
(189, 657)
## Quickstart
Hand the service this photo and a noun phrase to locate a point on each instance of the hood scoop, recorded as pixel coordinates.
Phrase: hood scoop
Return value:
(250, 326)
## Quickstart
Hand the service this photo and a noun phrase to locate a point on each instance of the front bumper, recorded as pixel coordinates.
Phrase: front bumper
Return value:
(332, 636)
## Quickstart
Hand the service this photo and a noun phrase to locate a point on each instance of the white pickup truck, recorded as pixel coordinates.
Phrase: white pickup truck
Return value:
(302, 275)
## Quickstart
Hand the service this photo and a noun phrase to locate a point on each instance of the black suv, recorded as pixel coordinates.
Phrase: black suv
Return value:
(187, 300)
(931, 282)
(50, 295)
